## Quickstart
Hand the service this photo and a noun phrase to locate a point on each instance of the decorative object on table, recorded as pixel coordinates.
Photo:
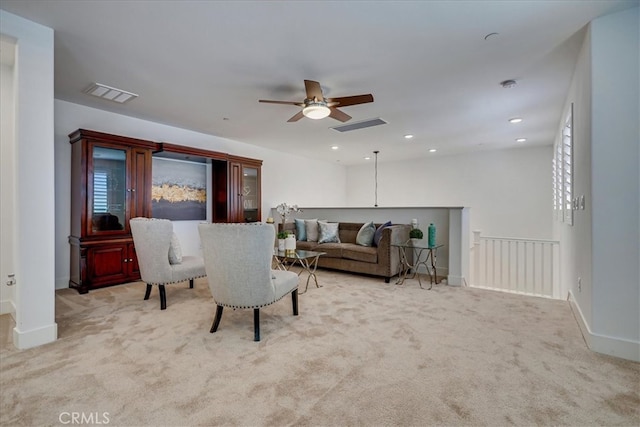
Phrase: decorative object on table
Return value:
(415, 234)
(270, 220)
(414, 223)
(432, 235)
(282, 235)
(285, 209)
(290, 245)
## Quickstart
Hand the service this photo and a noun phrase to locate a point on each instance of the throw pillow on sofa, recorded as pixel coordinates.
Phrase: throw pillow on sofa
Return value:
(365, 235)
(301, 230)
(328, 232)
(378, 234)
(311, 227)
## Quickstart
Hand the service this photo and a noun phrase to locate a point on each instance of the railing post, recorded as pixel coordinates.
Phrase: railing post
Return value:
(476, 257)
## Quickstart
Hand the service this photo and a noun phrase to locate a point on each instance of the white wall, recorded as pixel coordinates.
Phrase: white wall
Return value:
(602, 247)
(508, 191)
(285, 178)
(615, 144)
(575, 240)
(7, 184)
(34, 177)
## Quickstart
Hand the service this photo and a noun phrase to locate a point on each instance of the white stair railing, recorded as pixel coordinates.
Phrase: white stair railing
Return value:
(523, 266)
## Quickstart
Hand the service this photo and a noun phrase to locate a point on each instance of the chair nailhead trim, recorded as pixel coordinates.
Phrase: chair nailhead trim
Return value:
(178, 281)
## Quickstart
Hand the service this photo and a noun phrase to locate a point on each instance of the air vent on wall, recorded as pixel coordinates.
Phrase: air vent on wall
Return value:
(360, 125)
(110, 93)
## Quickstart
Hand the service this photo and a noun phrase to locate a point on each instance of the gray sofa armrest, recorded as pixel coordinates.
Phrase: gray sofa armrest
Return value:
(388, 256)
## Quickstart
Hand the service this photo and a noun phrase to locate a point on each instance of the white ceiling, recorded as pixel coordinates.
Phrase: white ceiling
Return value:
(203, 65)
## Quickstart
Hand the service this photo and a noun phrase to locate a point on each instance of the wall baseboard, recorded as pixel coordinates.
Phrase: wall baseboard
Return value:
(62, 282)
(8, 307)
(35, 337)
(612, 346)
(456, 280)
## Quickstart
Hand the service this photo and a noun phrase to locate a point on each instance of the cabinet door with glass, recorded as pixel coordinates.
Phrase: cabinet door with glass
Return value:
(108, 190)
(245, 189)
(250, 194)
(116, 188)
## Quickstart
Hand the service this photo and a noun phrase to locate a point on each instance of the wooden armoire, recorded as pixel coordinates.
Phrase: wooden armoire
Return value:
(111, 179)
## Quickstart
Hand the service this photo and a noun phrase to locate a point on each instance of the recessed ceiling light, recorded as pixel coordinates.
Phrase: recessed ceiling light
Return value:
(433, 150)
(515, 120)
(521, 139)
(367, 158)
(334, 147)
(508, 83)
(408, 136)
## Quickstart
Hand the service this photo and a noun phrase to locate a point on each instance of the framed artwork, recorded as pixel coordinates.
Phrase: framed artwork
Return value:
(178, 190)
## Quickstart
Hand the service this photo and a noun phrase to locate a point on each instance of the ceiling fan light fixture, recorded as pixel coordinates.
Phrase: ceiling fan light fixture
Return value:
(316, 111)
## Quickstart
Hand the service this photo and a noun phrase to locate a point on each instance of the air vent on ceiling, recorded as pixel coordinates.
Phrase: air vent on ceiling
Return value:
(110, 93)
(360, 125)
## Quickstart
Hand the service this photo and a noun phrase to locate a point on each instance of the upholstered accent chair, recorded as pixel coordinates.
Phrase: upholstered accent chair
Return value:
(238, 259)
(160, 257)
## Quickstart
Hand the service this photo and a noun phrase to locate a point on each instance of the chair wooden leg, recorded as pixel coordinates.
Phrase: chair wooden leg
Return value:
(256, 324)
(163, 297)
(147, 292)
(190, 283)
(216, 320)
(294, 300)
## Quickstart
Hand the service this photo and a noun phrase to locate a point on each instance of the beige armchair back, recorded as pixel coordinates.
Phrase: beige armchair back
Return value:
(238, 260)
(153, 242)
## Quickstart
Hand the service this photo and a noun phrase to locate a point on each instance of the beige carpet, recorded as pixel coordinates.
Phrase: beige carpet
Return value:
(362, 352)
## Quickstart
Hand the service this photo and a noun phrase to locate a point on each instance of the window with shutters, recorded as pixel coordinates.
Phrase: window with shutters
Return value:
(100, 197)
(562, 167)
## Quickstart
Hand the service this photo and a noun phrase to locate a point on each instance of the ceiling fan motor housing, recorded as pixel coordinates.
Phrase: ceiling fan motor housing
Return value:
(316, 106)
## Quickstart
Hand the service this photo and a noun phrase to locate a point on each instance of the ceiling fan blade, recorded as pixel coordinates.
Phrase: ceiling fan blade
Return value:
(339, 115)
(345, 101)
(297, 117)
(313, 90)
(282, 102)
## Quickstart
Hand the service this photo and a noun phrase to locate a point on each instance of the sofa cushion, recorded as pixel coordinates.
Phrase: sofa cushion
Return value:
(301, 230)
(306, 246)
(332, 250)
(378, 234)
(328, 232)
(366, 233)
(311, 226)
(348, 231)
(360, 253)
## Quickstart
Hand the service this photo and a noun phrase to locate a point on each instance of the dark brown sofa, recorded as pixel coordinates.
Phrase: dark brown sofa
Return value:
(381, 260)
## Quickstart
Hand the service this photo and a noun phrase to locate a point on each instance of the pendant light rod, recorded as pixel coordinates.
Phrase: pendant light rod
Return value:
(376, 178)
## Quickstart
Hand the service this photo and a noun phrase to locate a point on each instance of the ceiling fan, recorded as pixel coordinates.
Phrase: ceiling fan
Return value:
(316, 106)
